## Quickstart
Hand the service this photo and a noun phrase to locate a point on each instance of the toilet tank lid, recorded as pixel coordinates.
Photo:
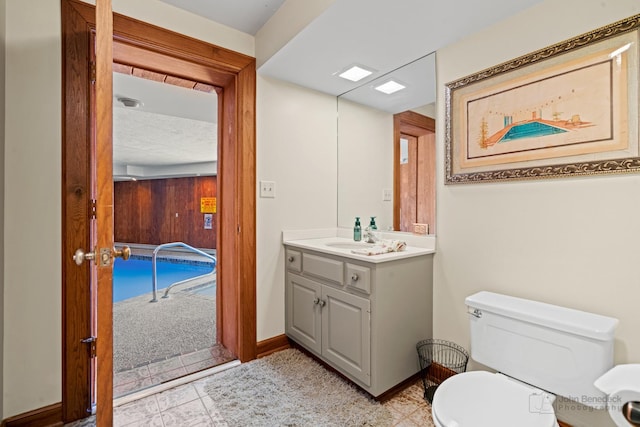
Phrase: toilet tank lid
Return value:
(561, 318)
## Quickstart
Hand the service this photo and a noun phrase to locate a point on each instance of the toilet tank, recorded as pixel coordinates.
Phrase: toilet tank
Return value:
(557, 349)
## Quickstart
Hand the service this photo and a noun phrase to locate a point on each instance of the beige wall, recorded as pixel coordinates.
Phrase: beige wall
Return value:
(291, 18)
(571, 242)
(296, 134)
(32, 207)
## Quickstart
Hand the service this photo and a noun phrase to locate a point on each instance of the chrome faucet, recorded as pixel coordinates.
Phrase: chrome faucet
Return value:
(370, 236)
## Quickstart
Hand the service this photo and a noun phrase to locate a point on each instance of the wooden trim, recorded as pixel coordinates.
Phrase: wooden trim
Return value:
(237, 233)
(127, 31)
(245, 176)
(272, 345)
(76, 195)
(414, 124)
(48, 416)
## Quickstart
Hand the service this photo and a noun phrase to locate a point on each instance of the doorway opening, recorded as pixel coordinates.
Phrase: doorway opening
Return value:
(165, 152)
(150, 47)
(414, 203)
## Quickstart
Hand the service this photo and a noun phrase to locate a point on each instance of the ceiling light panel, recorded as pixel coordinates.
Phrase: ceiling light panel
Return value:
(355, 73)
(390, 87)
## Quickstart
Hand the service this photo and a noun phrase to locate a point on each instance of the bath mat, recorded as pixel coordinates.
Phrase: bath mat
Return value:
(288, 388)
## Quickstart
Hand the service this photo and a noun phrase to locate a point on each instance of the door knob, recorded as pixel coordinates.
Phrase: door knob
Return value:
(105, 255)
(79, 256)
(123, 253)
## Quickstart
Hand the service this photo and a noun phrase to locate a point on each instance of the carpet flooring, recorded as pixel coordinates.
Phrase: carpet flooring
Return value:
(290, 389)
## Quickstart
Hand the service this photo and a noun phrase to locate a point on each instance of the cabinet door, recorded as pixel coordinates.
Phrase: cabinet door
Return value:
(346, 334)
(303, 311)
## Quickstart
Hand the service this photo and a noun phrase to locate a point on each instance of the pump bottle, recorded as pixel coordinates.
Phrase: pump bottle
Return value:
(357, 230)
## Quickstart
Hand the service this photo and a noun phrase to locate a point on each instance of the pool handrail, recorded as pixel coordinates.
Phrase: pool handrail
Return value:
(154, 275)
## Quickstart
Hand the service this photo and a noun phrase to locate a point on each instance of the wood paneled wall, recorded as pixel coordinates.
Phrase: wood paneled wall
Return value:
(164, 210)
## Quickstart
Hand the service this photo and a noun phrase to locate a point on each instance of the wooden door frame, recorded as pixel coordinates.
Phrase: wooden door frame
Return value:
(147, 46)
(417, 125)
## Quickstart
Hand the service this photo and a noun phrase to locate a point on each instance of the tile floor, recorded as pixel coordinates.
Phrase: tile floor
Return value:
(189, 405)
(157, 372)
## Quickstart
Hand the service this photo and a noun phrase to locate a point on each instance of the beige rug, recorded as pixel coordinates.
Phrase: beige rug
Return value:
(290, 389)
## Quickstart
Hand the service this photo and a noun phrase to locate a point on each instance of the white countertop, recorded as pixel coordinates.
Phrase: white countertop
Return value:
(317, 240)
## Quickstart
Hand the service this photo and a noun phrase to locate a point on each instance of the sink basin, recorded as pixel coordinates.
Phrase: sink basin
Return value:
(348, 245)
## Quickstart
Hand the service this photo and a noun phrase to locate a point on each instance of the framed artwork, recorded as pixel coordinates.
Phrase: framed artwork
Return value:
(569, 109)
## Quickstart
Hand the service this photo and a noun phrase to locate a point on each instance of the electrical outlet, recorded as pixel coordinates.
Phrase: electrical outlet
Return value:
(268, 189)
(387, 195)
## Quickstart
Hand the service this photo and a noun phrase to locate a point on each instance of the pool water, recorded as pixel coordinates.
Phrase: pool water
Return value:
(530, 130)
(134, 276)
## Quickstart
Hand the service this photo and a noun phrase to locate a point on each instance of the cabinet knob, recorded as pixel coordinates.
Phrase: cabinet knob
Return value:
(316, 301)
(291, 258)
(322, 303)
(354, 277)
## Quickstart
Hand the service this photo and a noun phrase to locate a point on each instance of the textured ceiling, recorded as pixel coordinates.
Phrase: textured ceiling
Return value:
(173, 126)
(147, 139)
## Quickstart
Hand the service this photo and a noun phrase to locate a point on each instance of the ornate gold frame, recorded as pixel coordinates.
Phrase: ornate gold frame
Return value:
(555, 167)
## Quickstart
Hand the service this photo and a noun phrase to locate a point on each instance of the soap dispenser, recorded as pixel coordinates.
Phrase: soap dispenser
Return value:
(357, 230)
(372, 223)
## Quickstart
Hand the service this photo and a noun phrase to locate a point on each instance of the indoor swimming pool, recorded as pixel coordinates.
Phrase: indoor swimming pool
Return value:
(133, 277)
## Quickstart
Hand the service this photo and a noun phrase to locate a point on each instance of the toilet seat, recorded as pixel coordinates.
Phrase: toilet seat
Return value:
(483, 399)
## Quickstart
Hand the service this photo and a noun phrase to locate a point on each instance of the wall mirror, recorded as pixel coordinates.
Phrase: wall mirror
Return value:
(367, 147)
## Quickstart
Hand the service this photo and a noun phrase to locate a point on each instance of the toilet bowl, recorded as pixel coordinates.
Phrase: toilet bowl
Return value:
(483, 399)
(539, 349)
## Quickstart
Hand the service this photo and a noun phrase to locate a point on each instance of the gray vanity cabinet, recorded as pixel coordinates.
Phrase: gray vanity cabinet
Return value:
(362, 318)
(332, 323)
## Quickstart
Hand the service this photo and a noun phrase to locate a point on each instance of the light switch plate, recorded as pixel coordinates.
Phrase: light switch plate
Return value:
(387, 194)
(268, 189)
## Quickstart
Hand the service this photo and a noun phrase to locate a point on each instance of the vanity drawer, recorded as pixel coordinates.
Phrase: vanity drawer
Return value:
(294, 260)
(323, 267)
(359, 277)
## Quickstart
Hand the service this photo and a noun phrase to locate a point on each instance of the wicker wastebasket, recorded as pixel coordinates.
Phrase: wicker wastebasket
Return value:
(439, 360)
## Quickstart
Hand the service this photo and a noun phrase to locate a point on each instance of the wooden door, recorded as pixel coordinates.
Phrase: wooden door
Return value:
(408, 181)
(414, 184)
(103, 185)
(87, 214)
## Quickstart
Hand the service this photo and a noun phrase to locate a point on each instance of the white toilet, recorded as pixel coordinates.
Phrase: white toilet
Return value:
(540, 350)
